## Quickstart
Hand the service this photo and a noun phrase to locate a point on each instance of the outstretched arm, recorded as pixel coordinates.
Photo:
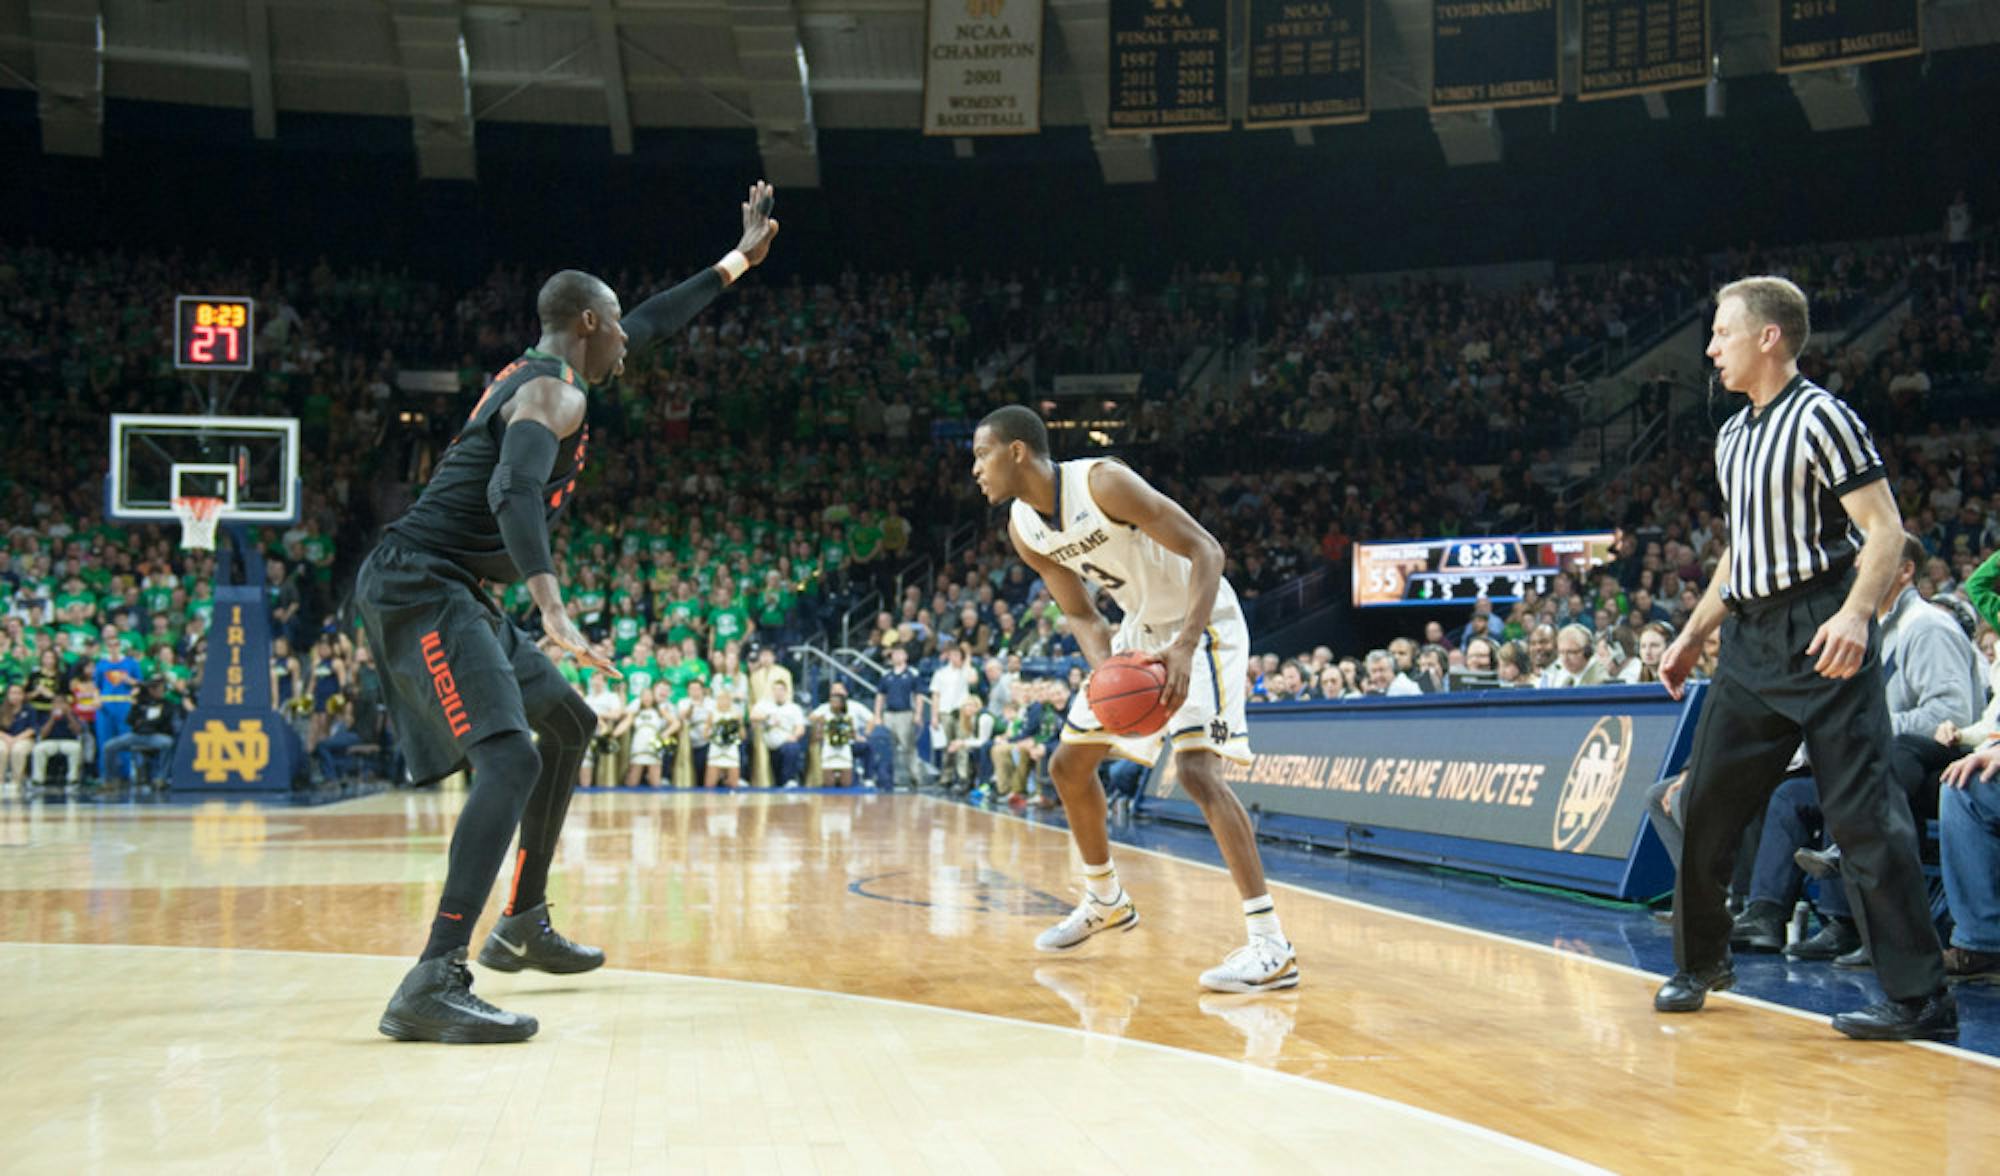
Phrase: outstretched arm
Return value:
(670, 310)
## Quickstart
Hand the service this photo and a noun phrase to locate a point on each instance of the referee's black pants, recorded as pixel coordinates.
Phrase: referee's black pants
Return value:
(1764, 699)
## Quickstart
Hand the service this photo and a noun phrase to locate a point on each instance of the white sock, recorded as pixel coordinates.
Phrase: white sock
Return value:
(1102, 881)
(1261, 915)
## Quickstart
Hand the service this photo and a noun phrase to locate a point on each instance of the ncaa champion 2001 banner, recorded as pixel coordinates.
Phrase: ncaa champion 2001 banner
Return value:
(983, 68)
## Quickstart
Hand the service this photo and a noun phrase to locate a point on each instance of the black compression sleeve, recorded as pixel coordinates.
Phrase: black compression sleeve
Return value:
(670, 310)
(527, 458)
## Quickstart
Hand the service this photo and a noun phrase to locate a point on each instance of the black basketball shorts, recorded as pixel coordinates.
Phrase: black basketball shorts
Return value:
(454, 669)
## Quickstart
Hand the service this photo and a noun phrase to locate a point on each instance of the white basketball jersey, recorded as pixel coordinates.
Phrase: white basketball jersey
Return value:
(1150, 583)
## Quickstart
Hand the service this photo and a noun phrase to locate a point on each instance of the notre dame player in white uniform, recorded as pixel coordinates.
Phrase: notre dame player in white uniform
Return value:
(1097, 520)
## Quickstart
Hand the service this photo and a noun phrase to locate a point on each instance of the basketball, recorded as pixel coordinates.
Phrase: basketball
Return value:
(1125, 694)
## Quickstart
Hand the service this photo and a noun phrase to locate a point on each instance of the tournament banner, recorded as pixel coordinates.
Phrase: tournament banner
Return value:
(234, 741)
(1490, 53)
(1308, 62)
(1637, 46)
(983, 67)
(1169, 65)
(1547, 785)
(1815, 34)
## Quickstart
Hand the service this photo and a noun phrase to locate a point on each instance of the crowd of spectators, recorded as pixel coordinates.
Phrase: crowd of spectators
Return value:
(790, 452)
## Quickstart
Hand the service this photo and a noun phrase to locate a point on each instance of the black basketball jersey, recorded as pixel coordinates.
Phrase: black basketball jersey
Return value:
(451, 517)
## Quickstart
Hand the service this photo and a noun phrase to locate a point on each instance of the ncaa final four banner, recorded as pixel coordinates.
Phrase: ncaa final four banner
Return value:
(1169, 66)
(983, 68)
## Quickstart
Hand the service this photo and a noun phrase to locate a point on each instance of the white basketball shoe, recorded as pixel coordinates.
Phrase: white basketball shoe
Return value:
(1089, 918)
(1262, 964)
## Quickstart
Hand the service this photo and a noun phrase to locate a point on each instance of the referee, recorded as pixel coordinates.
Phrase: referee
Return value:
(1795, 595)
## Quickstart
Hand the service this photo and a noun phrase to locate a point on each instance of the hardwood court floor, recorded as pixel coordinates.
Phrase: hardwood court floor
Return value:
(792, 977)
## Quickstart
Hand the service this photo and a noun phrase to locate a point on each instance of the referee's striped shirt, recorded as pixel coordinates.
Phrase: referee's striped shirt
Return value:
(1783, 472)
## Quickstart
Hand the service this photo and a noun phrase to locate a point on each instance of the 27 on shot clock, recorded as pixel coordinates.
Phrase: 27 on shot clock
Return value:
(214, 332)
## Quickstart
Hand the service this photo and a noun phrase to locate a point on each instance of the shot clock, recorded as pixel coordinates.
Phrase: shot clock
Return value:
(214, 332)
(1443, 571)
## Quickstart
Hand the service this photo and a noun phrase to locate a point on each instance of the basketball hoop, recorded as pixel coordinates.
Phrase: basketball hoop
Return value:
(198, 519)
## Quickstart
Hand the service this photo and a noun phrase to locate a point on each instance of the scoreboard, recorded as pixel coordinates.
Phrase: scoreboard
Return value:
(1445, 571)
(214, 332)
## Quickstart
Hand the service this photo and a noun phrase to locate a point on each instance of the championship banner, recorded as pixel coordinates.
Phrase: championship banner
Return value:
(1636, 46)
(1814, 34)
(1308, 62)
(983, 68)
(1537, 784)
(234, 741)
(1490, 53)
(1169, 65)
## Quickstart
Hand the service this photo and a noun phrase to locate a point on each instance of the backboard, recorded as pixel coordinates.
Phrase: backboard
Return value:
(251, 463)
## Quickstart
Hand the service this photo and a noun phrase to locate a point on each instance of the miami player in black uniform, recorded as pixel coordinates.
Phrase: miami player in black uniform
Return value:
(465, 687)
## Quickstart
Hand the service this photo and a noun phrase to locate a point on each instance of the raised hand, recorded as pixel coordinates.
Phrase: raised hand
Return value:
(759, 227)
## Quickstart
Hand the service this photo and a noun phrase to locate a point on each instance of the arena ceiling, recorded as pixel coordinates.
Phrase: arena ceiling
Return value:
(783, 68)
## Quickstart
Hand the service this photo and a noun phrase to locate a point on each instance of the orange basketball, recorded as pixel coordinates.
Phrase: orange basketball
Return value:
(1125, 694)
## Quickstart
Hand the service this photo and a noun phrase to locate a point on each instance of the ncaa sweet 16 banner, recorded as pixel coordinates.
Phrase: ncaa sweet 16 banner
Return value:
(983, 68)
(235, 741)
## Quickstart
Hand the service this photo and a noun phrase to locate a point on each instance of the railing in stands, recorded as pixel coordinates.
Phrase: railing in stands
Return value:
(1608, 355)
(811, 657)
(1290, 600)
(1631, 433)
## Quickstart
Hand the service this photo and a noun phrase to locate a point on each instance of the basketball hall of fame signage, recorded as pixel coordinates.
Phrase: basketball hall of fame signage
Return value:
(1633, 46)
(1169, 65)
(1814, 34)
(983, 68)
(1488, 53)
(1308, 62)
(1570, 778)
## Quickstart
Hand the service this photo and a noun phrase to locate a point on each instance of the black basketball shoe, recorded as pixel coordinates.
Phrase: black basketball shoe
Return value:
(525, 940)
(435, 1003)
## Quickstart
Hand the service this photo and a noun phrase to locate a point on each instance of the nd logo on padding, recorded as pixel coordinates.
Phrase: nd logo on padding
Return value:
(1595, 776)
(221, 750)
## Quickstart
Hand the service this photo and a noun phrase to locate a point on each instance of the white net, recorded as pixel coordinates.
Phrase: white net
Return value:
(199, 517)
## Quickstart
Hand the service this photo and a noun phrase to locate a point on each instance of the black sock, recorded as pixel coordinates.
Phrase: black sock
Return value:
(504, 768)
(564, 733)
(450, 931)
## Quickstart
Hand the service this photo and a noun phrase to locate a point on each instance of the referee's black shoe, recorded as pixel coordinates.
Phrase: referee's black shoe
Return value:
(1928, 1018)
(1688, 991)
(435, 1003)
(524, 939)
